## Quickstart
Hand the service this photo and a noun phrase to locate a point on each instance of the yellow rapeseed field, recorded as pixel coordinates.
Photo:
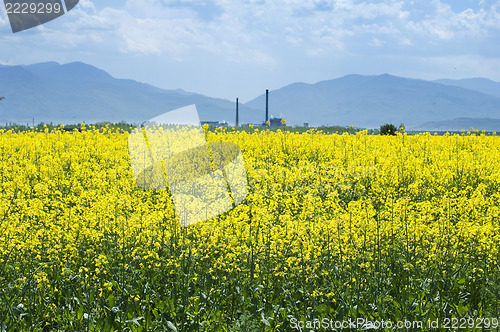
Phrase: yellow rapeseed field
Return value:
(334, 227)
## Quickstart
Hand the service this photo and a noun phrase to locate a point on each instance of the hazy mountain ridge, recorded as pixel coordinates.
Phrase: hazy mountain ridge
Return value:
(77, 92)
(476, 84)
(369, 101)
(459, 124)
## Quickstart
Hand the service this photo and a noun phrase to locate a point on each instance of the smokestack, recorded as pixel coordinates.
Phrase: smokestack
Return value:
(237, 113)
(267, 105)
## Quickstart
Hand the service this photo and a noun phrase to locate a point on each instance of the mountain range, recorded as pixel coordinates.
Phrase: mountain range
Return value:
(78, 92)
(369, 101)
(477, 84)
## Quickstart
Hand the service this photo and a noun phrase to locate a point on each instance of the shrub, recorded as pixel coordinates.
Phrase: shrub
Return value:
(388, 129)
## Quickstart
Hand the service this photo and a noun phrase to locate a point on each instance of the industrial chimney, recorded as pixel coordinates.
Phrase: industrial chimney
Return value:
(237, 113)
(267, 105)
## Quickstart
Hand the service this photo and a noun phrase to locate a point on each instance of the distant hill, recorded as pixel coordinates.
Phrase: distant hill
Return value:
(369, 101)
(77, 92)
(476, 84)
(462, 124)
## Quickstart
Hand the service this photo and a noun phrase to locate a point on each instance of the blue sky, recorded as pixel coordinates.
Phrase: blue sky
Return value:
(229, 49)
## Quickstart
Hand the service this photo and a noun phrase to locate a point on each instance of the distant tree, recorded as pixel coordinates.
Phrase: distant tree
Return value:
(388, 129)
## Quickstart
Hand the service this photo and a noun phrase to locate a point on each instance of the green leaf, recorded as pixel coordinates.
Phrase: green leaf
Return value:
(79, 313)
(111, 300)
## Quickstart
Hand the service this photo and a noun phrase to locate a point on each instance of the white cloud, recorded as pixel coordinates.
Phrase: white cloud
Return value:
(251, 31)
(86, 5)
(175, 28)
(444, 24)
(4, 21)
